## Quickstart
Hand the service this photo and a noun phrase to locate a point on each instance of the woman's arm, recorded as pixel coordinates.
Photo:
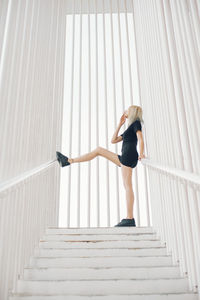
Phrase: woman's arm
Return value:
(115, 137)
(141, 143)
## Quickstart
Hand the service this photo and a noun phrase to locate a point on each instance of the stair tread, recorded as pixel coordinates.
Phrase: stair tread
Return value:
(104, 274)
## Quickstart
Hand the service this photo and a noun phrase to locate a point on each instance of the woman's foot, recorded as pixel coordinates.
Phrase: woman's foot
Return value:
(62, 159)
(126, 222)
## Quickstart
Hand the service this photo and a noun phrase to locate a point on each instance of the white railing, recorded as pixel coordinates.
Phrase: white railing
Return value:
(180, 175)
(28, 205)
(22, 178)
(175, 203)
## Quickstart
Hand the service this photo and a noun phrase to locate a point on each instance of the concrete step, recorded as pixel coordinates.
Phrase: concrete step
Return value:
(166, 296)
(101, 244)
(103, 287)
(106, 263)
(99, 262)
(99, 237)
(99, 230)
(100, 252)
(101, 273)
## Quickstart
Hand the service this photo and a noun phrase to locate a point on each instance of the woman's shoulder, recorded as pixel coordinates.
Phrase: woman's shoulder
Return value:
(136, 125)
(135, 122)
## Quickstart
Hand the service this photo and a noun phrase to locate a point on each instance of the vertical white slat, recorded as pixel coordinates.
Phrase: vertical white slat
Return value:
(89, 119)
(32, 67)
(71, 114)
(60, 94)
(128, 48)
(131, 93)
(139, 69)
(35, 110)
(5, 41)
(79, 121)
(114, 105)
(106, 124)
(10, 250)
(19, 235)
(4, 11)
(139, 72)
(6, 90)
(121, 63)
(189, 245)
(52, 111)
(28, 85)
(97, 116)
(195, 20)
(146, 197)
(195, 223)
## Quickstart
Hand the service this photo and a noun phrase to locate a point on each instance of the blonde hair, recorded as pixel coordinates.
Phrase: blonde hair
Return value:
(135, 113)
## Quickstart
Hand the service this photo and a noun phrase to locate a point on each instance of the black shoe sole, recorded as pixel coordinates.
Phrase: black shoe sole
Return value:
(126, 224)
(62, 159)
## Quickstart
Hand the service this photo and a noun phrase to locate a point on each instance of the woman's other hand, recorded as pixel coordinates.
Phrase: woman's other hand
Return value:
(141, 156)
(122, 119)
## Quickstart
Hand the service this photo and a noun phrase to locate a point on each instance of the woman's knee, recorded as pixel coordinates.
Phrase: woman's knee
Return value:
(98, 150)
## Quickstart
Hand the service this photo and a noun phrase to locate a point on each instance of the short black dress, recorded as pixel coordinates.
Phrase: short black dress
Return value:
(130, 155)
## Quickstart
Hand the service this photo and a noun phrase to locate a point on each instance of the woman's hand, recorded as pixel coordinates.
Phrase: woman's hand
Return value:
(122, 119)
(141, 156)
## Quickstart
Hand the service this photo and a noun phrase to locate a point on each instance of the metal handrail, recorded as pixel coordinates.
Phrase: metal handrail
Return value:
(13, 181)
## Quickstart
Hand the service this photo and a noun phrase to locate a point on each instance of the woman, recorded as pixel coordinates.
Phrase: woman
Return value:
(127, 161)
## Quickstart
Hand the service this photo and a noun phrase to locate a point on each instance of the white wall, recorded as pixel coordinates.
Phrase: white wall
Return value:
(31, 97)
(168, 50)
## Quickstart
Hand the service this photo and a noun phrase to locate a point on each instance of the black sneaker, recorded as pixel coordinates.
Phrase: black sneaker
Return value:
(126, 222)
(62, 159)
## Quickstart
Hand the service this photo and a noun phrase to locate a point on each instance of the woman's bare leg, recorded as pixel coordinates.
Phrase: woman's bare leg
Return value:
(127, 181)
(85, 157)
(98, 151)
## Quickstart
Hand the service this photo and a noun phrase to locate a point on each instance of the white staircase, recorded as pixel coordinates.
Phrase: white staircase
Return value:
(119, 263)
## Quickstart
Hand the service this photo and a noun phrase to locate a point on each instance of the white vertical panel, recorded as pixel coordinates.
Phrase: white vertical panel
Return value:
(90, 118)
(31, 53)
(114, 105)
(167, 51)
(97, 115)
(106, 120)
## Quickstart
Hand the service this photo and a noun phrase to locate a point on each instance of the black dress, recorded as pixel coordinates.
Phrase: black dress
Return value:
(130, 155)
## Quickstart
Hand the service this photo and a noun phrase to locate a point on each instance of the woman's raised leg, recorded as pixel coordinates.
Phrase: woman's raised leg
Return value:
(98, 151)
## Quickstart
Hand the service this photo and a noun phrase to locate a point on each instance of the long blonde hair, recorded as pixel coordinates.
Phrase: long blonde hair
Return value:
(135, 113)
